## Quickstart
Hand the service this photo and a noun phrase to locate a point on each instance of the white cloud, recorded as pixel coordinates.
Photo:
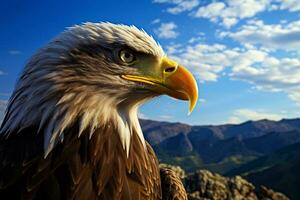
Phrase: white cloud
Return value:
(233, 120)
(201, 100)
(230, 12)
(179, 6)
(285, 36)
(260, 67)
(165, 117)
(142, 115)
(211, 11)
(167, 30)
(230, 21)
(198, 38)
(268, 73)
(241, 115)
(290, 5)
(295, 96)
(14, 52)
(174, 49)
(1, 72)
(206, 61)
(156, 21)
(255, 66)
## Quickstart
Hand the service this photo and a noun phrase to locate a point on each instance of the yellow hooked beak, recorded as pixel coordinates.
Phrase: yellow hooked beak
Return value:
(171, 79)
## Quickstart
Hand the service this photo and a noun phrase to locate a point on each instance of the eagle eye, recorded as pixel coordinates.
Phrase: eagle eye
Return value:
(127, 56)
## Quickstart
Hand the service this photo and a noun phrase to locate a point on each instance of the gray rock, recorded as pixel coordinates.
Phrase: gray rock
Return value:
(205, 185)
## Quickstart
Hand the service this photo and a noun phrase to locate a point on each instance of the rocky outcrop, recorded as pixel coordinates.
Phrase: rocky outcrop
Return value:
(267, 194)
(178, 170)
(205, 185)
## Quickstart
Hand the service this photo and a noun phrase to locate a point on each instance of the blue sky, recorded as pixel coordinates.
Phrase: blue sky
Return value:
(245, 54)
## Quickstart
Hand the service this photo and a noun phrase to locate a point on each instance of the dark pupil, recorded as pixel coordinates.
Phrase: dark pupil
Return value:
(127, 55)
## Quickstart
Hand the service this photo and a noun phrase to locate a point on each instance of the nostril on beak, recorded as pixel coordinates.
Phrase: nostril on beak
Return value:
(170, 69)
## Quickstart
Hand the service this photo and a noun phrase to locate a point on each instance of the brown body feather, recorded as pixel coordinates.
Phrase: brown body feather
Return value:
(80, 168)
(172, 187)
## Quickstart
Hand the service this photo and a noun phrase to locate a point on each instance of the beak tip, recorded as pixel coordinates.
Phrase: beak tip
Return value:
(191, 107)
(193, 100)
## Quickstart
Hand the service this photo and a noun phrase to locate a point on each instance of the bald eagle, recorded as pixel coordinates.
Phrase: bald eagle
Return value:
(71, 129)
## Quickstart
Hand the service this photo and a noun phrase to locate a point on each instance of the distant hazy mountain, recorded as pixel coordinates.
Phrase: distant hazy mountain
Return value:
(219, 148)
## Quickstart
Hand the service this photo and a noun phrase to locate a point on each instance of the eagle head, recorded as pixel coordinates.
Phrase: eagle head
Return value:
(93, 74)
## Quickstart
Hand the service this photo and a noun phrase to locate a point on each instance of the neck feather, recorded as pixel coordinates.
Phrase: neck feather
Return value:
(55, 116)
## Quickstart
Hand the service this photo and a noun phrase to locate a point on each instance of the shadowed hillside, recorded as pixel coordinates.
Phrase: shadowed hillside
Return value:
(279, 170)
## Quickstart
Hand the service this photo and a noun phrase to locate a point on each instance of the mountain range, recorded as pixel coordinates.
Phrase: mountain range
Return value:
(264, 152)
(219, 148)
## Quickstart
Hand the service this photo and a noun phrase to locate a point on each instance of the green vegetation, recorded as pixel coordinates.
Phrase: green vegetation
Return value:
(189, 163)
(228, 163)
(193, 162)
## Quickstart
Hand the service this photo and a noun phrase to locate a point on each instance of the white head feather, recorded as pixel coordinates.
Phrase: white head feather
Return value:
(54, 89)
